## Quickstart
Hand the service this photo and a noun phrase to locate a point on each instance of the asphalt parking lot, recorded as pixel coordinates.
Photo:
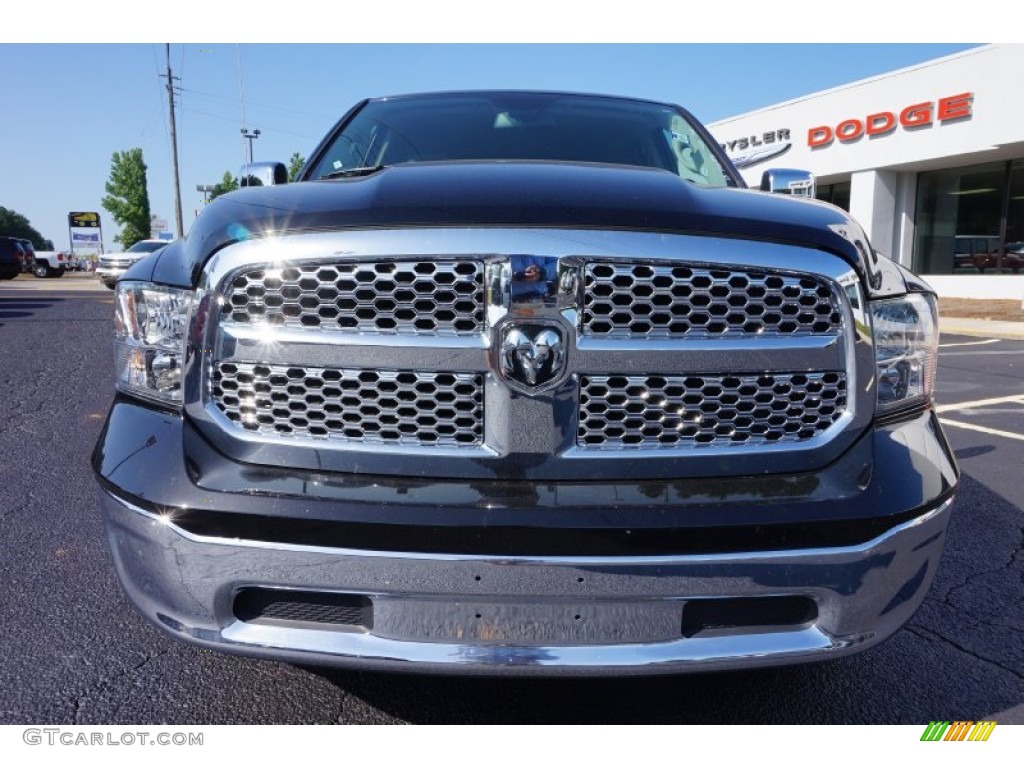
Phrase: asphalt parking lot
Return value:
(72, 651)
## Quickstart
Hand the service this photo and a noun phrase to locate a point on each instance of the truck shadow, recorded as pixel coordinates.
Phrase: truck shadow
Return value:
(19, 308)
(960, 657)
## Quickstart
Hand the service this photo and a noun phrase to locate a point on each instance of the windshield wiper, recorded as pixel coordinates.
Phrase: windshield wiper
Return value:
(362, 170)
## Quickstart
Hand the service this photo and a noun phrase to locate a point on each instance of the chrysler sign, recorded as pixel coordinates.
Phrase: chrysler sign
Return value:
(751, 150)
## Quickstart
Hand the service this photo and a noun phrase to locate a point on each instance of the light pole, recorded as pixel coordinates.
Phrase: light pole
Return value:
(206, 189)
(255, 134)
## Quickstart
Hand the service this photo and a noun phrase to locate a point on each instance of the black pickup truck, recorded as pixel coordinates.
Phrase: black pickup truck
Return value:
(524, 383)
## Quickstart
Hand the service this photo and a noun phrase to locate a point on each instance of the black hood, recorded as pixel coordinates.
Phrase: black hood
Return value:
(516, 194)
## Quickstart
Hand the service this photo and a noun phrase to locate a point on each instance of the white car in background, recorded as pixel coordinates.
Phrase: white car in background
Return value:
(113, 265)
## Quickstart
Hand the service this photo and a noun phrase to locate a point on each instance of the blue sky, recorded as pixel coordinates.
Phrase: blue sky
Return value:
(78, 104)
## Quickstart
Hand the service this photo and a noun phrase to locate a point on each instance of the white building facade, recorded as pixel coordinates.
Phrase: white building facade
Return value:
(929, 159)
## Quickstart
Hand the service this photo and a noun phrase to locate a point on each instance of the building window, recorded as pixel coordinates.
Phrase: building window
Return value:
(837, 194)
(970, 220)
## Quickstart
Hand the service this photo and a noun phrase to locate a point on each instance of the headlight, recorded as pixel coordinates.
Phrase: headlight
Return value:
(906, 338)
(150, 331)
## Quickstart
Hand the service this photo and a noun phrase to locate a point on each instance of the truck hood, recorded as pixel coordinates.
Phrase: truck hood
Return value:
(516, 194)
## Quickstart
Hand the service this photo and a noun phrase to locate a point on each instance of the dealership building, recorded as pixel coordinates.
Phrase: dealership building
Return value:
(929, 159)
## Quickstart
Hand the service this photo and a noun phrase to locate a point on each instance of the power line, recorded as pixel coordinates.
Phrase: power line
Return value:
(181, 74)
(241, 89)
(226, 119)
(233, 100)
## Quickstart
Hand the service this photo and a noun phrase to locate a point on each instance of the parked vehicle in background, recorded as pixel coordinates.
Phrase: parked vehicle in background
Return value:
(51, 263)
(113, 265)
(973, 251)
(1013, 258)
(30, 255)
(12, 257)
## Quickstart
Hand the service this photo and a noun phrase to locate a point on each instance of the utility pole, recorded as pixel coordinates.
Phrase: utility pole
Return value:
(174, 148)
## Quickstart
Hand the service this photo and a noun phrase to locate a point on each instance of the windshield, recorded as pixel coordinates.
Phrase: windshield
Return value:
(522, 126)
(146, 247)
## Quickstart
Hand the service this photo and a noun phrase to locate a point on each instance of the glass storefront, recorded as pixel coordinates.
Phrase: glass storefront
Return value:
(837, 194)
(970, 220)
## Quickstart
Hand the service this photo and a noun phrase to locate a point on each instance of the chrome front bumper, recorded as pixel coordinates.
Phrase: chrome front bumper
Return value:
(110, 274)
(519, 615)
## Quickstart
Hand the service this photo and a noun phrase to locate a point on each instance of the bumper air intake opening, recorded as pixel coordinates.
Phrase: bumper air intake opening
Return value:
(747, 615)
(312, 610)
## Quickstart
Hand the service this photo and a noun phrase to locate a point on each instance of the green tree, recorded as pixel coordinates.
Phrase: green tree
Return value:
(13, 224)
(227, 184)
(295, 165)
(127, 197)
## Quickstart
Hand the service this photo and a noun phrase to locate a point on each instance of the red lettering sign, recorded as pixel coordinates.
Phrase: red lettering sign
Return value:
(879, 123)
(954, 107)
(848, 130)
(819, 137)
(916, 114)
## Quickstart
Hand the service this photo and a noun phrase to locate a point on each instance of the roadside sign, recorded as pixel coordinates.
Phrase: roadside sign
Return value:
(85, 232)
(83, 219)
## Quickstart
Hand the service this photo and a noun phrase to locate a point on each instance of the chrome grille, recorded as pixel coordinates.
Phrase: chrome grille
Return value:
(622, 411)
(636, 300)
(504, 425)
(409, 408)
(427, 298)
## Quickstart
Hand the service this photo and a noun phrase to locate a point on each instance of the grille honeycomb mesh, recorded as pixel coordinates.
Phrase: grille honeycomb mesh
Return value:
(621, 411)
(358, 406)
(425, 298)
(663, 301)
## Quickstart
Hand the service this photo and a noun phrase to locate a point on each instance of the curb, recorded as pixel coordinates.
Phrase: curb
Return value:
(993, 329)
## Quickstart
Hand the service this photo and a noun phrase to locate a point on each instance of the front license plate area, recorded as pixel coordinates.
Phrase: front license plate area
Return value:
(517, 623)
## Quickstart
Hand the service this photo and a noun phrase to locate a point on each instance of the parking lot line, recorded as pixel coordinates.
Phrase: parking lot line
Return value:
(983, 352)
(986, 430)
(969, 343)
(979, 403)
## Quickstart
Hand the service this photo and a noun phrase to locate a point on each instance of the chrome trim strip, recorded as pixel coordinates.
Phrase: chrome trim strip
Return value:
(273, 335)
(735, 649)
(279, 346)
(841, 553)
(728, 356)
(593, 244)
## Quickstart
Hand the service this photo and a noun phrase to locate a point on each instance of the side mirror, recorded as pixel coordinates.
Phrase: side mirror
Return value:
(262, 175)
(788, 181)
